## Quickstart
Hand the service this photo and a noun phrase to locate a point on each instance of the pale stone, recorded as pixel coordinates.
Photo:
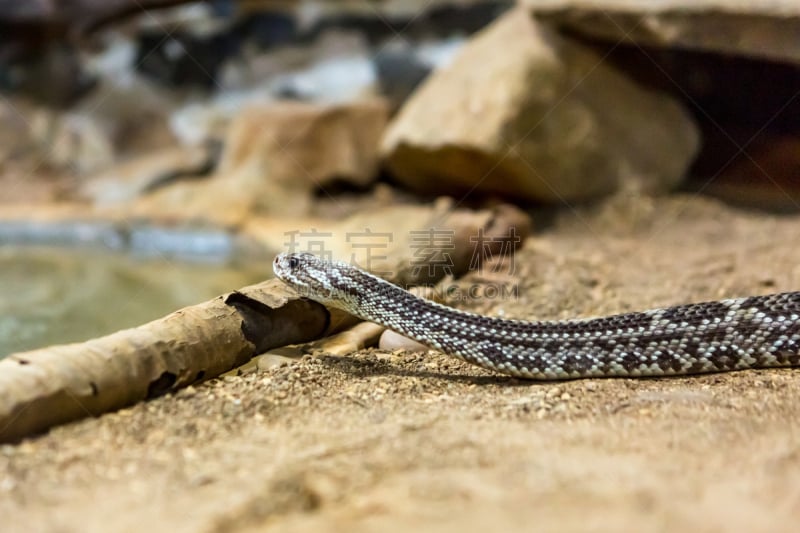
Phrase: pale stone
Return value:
(391, 341)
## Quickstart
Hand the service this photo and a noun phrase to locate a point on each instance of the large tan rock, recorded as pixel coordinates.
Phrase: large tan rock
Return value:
(526, 113)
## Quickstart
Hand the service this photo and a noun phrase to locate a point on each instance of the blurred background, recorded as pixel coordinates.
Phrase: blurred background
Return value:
(156, 153)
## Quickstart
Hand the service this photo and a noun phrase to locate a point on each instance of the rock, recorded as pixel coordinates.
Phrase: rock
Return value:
(528, 114)
(309, 139)
(276, 358)
(766, 29)
(293, 147)
(76, 141)
(122, 118)
(196, 123)
(128, 180)
(23, 178)
(352, 339)
(275, 156)
(391, 341)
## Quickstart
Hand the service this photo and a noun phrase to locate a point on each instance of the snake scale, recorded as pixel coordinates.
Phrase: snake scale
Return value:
(717, 336)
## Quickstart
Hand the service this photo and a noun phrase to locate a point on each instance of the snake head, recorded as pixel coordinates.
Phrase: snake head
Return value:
(327, 282)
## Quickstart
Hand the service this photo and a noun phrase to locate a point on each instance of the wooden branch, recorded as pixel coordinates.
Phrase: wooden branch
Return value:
(42, 388)
(54, 385)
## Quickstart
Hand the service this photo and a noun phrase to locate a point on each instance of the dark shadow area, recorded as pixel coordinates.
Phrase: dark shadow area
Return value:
(748, 113)
(362, 368)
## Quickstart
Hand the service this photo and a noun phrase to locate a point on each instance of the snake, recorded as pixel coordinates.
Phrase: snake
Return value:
(696, 338)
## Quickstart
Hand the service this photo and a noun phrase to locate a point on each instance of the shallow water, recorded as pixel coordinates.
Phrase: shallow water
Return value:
(55, 295)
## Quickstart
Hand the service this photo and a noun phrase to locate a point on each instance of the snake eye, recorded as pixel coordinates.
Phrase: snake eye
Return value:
(294, 262)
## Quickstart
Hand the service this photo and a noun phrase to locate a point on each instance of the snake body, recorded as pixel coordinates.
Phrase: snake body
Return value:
(717, 336)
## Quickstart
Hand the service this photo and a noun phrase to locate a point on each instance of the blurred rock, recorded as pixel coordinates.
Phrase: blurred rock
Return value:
(306, 146)
(199, 122)
(391, 341)
(766, 29)
(27, 175)
(14, 117)
(276, 156)
(128, 180)
(269, 361)
(123, 118)
(525, 113)
(74, 141)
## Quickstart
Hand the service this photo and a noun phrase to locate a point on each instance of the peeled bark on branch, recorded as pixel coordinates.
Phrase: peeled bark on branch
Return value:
(54, 385)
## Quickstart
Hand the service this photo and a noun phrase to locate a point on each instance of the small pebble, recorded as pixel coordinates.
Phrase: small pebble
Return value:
(269, 361)
(394, 341)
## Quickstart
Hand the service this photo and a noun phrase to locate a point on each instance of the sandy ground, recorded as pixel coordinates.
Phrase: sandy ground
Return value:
(391, 442)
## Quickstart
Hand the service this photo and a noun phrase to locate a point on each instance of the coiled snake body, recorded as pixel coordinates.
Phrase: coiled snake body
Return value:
(753, 332)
